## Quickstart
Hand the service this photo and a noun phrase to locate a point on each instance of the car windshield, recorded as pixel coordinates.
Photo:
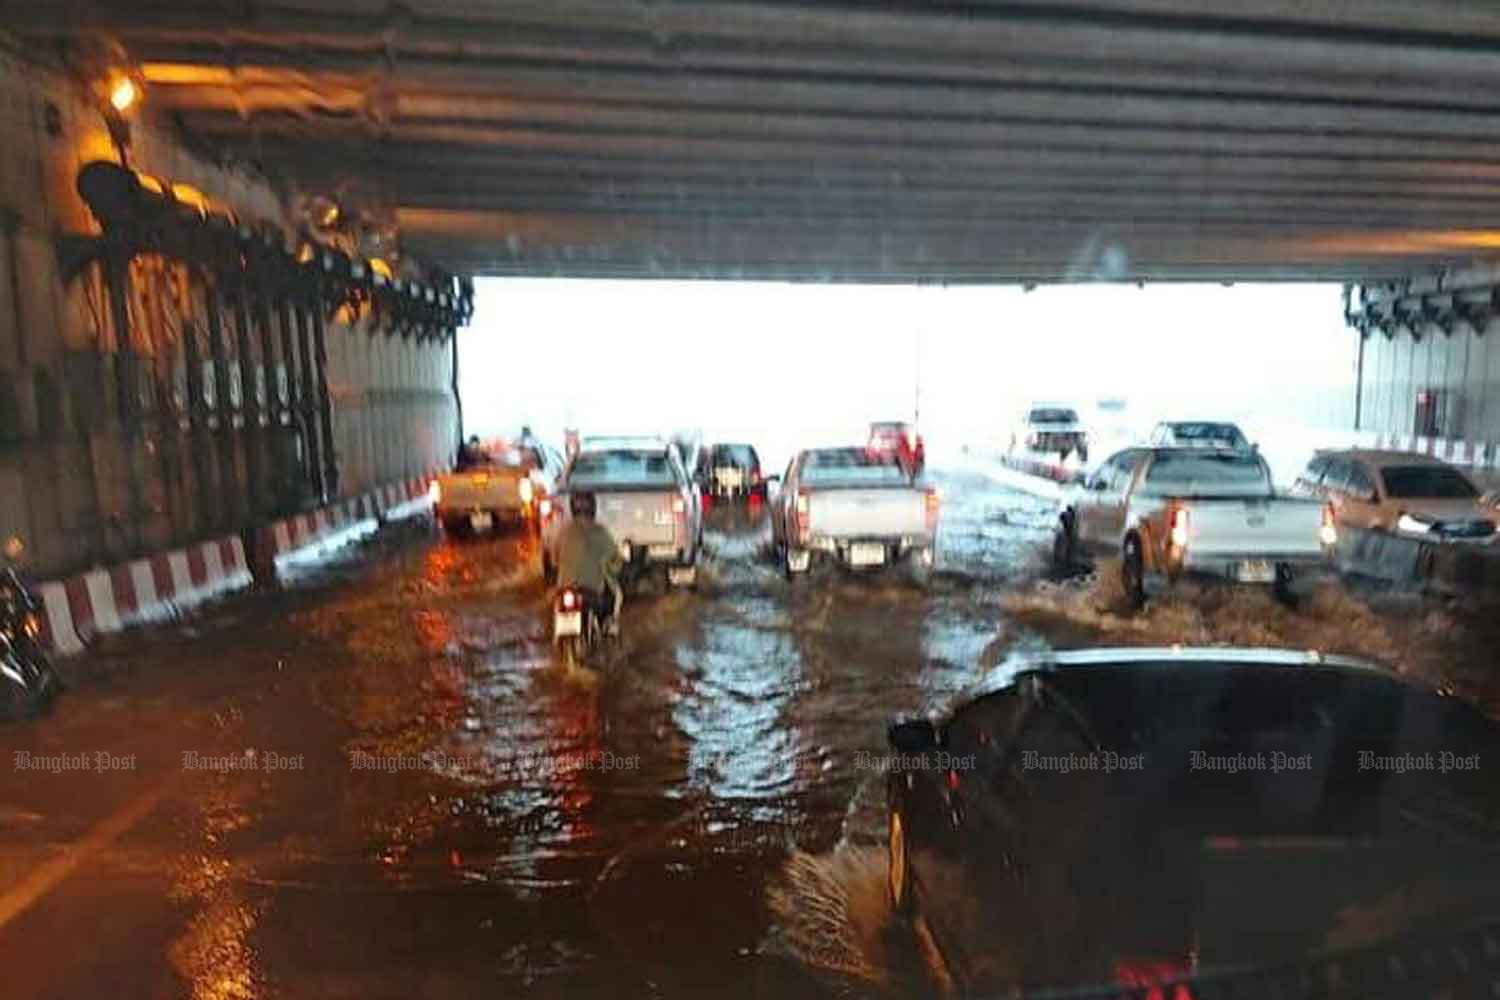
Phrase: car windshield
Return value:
(1054, 415)
(1426, 482)
(851, 466)
(1199, 474)
(620, 468)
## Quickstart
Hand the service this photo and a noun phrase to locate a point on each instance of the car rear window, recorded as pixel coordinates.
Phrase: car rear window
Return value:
(1208, 433)
(622, 467)
(1054, 415)
(851, 466)
(514, 458)
(1430, 482)
(734, 454)
(1191, 474)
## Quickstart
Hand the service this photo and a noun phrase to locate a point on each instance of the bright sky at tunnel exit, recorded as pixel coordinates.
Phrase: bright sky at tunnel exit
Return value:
(802, 364)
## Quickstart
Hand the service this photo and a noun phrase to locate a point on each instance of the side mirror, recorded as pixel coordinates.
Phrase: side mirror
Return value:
(912, 735)
(773, 483)
(1094, 483)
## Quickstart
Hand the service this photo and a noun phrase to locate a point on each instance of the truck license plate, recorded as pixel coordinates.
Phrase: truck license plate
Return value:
(1255, 571)
(866, 554)
(481, 520)
(661, 551)
(566, 623)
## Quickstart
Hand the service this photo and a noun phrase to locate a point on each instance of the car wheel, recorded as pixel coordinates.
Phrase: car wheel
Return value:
(1133, 574)
(1282, 590)
(1064, 547)
(898, 868)
(921, 569)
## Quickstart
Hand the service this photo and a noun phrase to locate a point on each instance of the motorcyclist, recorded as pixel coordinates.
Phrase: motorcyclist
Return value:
(20, 616)
(589, 559)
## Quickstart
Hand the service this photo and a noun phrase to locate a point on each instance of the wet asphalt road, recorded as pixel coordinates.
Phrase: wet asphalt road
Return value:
(435, 810)
(510, 828)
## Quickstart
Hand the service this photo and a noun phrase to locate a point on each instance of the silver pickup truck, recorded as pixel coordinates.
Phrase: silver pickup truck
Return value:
(1174, 512)
(856, 506)
(646, 501)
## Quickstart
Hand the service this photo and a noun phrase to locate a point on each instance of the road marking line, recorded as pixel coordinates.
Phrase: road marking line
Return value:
(44, 879)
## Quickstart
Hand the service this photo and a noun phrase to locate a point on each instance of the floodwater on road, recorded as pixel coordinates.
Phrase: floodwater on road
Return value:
(380, 783)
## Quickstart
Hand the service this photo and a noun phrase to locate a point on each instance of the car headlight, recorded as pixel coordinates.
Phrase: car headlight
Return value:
(1413, 525)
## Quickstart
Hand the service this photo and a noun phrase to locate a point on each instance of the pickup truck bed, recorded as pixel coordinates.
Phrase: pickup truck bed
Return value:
(867, 512)
(1225, 531)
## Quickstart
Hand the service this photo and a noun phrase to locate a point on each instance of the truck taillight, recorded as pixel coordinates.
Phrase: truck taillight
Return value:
(679, 505)
(1328, 532)
(804, 514)
(1179, 534)
(932, 503)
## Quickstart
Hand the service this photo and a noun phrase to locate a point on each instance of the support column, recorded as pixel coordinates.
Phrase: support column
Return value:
(251, 432)
(308, 408)
(325, 406)
(272, 406)
(127, 391)
(200, 443)
(231, 495)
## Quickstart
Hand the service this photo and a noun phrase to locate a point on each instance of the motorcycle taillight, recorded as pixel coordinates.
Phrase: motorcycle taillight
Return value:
(569, 600)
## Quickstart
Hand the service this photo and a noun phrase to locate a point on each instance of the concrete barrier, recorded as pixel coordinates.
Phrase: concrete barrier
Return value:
(309, 536)
(161, 587)
(140, 592)
(1444, 567)
(1045, 468)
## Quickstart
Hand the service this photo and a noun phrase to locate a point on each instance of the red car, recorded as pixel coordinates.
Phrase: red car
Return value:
(899, 438)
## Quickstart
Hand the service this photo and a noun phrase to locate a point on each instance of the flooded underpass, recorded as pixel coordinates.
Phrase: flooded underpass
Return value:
(380, 783)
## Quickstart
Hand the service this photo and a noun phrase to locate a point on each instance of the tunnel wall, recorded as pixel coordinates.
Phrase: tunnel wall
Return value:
(82, 483)
(1461, 369)
(1460, 373)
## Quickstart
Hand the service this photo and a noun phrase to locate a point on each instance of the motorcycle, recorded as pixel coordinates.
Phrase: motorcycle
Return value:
(579, 627)
(27, 680)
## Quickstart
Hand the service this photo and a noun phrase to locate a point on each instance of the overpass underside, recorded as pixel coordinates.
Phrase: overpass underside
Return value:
(882, 141)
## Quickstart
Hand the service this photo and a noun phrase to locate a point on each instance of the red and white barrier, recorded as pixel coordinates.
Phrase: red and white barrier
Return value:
(164, 585)
(144, 590)
(310, 535)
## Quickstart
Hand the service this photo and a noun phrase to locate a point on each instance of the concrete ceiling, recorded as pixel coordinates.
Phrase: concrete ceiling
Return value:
(1070, 140)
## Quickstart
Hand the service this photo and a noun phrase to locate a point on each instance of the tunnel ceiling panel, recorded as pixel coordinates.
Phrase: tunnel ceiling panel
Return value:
(1072, 140)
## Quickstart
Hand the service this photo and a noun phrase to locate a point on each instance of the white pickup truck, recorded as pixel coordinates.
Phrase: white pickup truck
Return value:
(1173, 512)
(857, 506)
(646, 500)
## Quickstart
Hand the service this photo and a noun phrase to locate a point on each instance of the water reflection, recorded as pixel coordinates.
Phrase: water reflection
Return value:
(739, 681)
